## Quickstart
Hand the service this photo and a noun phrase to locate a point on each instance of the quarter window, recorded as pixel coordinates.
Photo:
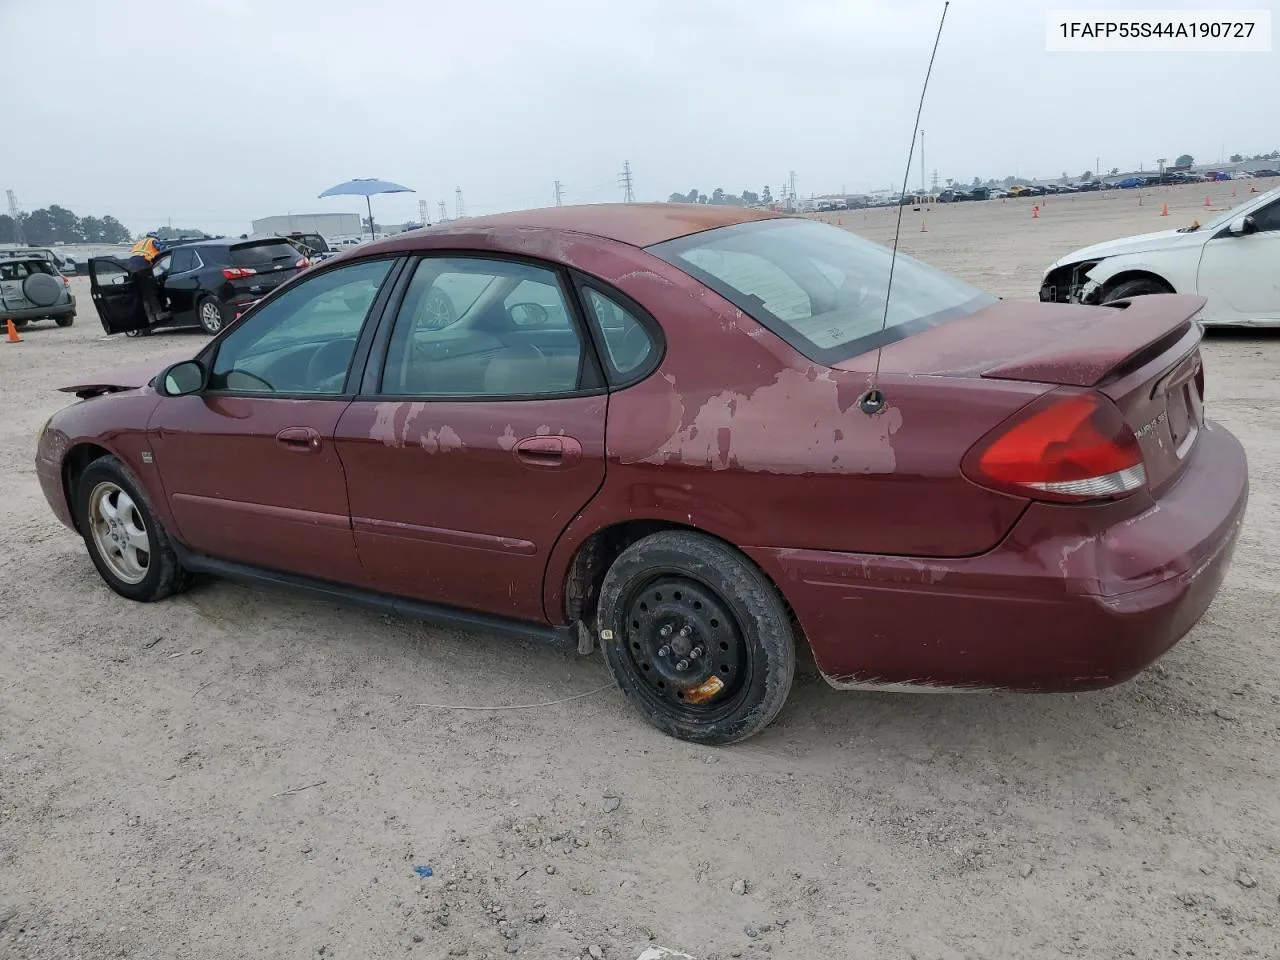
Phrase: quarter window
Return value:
(301, 342)
(626, 341)
(483, 328)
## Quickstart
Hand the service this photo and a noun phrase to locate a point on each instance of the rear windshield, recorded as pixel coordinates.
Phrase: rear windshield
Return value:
(821, 288)
(21, 269)
(266, 253)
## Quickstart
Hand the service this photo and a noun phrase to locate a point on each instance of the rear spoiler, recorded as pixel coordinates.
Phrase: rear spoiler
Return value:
(1086, 356)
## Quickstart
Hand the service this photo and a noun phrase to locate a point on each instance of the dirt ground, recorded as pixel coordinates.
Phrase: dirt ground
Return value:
(236, 773)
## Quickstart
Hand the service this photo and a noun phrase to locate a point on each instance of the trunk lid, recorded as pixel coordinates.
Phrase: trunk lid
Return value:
(1143, 354)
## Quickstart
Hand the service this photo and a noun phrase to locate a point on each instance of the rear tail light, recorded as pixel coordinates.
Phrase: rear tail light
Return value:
(238, 273)
(303, 263)
(66, 283)
(1067, 447)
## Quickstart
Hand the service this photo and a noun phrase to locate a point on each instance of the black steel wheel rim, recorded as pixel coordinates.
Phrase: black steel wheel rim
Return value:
(682, 640)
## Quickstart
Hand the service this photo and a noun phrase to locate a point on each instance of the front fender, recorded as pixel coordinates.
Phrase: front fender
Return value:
(116, 423)
(1177, 268)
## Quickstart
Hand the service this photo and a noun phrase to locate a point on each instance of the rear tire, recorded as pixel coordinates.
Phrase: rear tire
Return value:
(66, 321)
(125, 540)
(698, 639)
(1139, 287)
(212, 315)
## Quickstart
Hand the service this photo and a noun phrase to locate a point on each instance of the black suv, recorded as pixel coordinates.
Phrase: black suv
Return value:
(205, 283)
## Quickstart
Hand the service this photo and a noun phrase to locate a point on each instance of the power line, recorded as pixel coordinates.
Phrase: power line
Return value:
(457, 202)
(624, 178)
(559, 194)
(422, 213)
(444, 212)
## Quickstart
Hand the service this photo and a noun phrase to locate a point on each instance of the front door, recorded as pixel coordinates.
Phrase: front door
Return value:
(483, 440)
(249, 466)
(1240, 273)
(115, 295)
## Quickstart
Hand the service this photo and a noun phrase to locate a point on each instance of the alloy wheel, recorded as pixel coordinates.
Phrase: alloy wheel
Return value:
(119, 532)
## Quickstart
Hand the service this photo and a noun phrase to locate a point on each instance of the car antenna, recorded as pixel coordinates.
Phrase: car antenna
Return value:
(873, 401)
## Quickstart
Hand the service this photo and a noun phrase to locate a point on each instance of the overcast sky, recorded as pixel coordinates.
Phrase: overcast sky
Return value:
(213, 112)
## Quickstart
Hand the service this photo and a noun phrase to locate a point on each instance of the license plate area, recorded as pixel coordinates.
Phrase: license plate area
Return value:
(1186, 414)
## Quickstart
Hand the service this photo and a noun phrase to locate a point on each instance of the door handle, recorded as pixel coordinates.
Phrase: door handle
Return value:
(549, 451)
(299, 439)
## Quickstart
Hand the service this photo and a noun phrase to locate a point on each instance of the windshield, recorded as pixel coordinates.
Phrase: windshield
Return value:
(821, 288)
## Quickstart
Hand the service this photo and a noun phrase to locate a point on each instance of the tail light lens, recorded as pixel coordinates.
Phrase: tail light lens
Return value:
(66, 283)
(238, 273)
(1067, 447)
(303, 263)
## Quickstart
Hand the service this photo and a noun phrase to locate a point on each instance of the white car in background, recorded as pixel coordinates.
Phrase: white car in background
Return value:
(1232, 260)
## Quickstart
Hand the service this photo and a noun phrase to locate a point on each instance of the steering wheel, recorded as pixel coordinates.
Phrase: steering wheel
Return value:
(330, 360)
(631, 348)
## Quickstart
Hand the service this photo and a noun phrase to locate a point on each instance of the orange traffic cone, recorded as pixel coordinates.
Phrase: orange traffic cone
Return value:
(1165, 211)
(1035, 212)
(1207, 203)
(12, 333)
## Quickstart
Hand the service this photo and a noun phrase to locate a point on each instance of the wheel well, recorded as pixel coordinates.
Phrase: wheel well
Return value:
(596, 554)
(74, 464)
(1129, 275)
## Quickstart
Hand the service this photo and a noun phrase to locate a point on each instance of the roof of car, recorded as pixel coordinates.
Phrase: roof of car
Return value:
(638, 224)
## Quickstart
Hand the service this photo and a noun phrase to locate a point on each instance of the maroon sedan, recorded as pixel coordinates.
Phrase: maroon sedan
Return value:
(648, 426)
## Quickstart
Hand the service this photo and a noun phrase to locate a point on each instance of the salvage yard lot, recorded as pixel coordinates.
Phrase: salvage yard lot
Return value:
(150, 755)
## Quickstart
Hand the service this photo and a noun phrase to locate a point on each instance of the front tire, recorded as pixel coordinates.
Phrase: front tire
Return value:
(212, 315)
(696, 637)
(1139, 287)
(126, 542)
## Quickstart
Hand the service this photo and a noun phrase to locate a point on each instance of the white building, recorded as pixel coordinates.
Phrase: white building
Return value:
(325, 224)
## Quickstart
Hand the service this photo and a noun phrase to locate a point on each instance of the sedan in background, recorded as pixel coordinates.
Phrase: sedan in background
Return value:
(697, 436)
(1232, 261)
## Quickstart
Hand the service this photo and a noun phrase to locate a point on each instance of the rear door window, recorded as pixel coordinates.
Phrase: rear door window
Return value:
(182, 261)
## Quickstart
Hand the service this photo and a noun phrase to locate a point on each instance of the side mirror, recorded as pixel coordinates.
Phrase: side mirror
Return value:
(528, 314)
(1242, 225)
(182, 379)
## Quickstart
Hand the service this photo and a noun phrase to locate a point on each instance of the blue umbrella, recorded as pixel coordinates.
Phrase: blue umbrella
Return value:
(366, 188)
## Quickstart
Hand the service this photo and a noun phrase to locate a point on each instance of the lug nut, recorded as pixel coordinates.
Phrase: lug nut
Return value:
(665, 631)
(664, 650)
(686, 630)
(696, 652)
(682, 665)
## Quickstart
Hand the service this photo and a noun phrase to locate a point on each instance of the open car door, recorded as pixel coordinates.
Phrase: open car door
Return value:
(115, 295)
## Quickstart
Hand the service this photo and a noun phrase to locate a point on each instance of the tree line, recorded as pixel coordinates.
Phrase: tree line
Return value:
(56, 224)
(718, 196)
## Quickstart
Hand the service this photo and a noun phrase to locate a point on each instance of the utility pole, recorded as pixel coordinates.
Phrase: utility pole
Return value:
(14, 211)
(922, 159)
(457, 203)
(559, 189)
(444, 212)
(935, 181)
(422, 213)
(624, 178)
(791, 179)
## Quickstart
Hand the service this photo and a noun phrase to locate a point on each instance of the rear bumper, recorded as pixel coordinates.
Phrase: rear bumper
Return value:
(1062, 604)
(36, 313)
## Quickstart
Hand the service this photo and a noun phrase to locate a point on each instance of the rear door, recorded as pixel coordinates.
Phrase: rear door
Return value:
(182, 283)
(115, 296)
(478, 436)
